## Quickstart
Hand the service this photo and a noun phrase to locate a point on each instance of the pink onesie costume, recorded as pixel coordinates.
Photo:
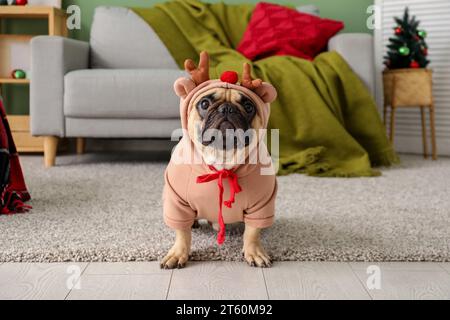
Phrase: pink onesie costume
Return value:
(199, 191)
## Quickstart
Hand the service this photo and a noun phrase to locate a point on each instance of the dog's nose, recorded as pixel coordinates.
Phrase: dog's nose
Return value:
(227, 108)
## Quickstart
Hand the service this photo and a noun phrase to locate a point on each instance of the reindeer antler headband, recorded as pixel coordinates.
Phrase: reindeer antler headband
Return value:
(200, 74)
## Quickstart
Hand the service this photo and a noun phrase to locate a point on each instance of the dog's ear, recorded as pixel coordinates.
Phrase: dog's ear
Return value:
(183, 86)
(266, 92)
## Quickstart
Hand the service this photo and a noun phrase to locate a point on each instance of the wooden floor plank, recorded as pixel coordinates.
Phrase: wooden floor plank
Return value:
(397, 266)
(224, 280)
(406, 280)
(122, 287)
(445, 266)
(122, 280)
(122, 268)
(313, 280)
(33, 281)
(217, 280)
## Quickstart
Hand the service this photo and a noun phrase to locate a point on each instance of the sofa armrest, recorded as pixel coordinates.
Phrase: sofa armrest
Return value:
(358, 50)
(51, 58)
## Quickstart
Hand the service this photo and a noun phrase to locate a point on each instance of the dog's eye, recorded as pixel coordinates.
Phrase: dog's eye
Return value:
(204, 104)
(249, 107)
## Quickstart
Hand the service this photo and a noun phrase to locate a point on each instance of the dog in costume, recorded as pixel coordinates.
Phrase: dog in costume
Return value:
(220, 170)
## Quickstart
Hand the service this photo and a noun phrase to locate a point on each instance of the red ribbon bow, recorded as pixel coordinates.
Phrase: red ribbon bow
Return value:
(234, 188)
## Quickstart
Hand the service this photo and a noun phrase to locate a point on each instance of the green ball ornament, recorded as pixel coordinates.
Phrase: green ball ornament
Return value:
(19, 74)
(404, 51)
(422, 34)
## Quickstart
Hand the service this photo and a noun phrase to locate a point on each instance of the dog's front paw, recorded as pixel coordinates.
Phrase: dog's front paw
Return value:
(256, 256)
(176, 258)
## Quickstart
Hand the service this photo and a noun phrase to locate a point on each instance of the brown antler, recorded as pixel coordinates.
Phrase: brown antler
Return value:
(200, 74)
(247, 80)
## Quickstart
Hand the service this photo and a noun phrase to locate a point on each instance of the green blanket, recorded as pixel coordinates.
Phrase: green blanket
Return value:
(327, 120)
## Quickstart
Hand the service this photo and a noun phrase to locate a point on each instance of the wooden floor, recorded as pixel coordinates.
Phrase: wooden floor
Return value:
(225, 280)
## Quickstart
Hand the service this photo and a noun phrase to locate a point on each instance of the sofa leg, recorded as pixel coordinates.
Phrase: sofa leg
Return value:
(81, 145)
(50, 148)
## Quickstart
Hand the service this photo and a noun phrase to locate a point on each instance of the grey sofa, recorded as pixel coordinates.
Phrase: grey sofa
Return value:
(119, 85)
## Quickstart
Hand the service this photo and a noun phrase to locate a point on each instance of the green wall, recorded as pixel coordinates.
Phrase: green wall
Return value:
(351, 12)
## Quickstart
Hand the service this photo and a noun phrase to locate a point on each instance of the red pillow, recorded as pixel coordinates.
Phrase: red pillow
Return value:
(278, 30)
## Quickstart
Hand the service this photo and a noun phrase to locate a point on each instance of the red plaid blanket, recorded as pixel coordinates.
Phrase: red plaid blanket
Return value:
(13, 192)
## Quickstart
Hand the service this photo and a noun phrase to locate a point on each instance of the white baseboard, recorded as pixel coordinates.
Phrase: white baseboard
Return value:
(413, 144)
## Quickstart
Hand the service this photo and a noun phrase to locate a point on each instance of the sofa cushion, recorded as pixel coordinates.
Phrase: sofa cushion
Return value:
(278, 30)
(121, 39)
(122, 128)
(120, 93)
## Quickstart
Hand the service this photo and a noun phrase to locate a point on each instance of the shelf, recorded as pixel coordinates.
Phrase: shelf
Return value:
(14, 81)
(19, 122)
(20, 129)
(16, 59)
(33, 12)
(14, 54)
(27, 143)
(17, 37)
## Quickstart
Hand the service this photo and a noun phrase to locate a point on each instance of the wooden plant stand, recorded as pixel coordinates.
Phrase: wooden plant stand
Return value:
(410, 88)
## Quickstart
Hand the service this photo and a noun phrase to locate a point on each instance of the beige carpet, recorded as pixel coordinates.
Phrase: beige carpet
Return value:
(108, 208)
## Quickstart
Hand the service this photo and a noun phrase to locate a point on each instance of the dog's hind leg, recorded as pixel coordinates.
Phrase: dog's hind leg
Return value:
(214, 225)
(196, 224)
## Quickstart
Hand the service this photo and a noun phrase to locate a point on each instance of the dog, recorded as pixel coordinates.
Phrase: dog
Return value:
(223, 122)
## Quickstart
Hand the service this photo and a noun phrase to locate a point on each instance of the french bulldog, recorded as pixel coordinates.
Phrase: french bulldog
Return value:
(220, 170)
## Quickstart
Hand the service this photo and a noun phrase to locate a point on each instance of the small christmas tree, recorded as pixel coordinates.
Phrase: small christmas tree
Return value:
(407, 49)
